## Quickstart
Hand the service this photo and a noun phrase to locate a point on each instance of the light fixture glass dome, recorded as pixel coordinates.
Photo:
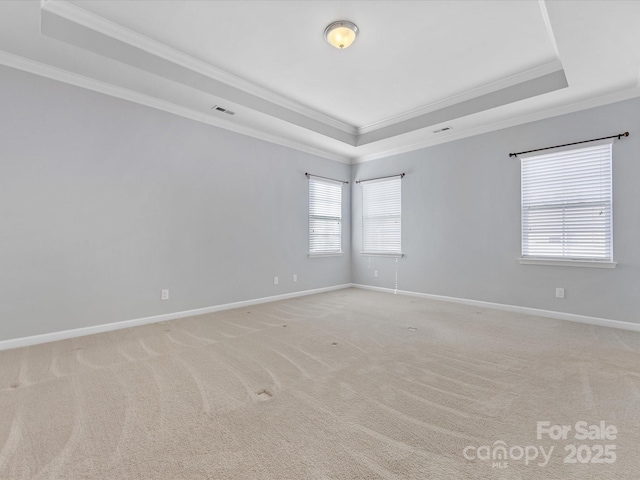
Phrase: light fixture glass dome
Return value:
(341, 34)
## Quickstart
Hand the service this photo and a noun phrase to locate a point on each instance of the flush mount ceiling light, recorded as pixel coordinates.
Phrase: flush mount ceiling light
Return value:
(341, 34)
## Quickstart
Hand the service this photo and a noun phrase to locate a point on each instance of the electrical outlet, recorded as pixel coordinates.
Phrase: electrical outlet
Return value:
(165, 295)
(295, 278)
(275, 280)
(375, 273)
(559, 292)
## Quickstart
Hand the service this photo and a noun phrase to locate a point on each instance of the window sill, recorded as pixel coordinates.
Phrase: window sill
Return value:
(332, 254)
(390, 255)
(567, 263)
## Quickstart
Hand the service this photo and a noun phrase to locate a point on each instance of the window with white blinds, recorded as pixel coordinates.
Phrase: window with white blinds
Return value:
(325, 216)
(382, 216)
(567, 205)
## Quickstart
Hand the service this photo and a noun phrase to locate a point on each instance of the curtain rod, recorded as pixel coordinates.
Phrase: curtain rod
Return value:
(326, 178)
(625, 134)
(380, 178)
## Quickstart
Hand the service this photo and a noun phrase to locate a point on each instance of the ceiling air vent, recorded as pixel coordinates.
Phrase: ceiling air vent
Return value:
(443, 129)
(222, 110)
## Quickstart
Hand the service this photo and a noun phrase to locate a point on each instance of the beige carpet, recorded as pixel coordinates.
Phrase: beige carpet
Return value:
(350, 384)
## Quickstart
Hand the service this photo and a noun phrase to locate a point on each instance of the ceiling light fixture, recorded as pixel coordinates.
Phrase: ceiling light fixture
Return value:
(341, 34)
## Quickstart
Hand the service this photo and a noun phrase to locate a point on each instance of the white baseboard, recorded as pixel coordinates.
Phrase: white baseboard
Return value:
(602, 322)
(107, 327)
(79, 332)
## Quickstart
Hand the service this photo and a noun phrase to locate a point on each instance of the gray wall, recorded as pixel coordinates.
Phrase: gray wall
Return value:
(103, 203)
(461, 220)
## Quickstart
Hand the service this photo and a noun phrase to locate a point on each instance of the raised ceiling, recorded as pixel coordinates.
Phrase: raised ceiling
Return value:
(415, 68)
(408, 54)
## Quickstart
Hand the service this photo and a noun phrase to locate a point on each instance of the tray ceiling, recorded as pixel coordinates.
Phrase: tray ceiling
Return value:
(415, 68)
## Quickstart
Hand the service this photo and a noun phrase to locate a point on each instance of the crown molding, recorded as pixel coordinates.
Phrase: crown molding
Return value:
(503, 83)
(87, 19)
(58, 74)
(72, 13)
(54, 73)
(606, 99)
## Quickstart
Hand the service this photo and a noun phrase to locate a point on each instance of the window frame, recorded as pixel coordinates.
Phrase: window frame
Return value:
(603, 201)
(318, 216)
(369, 185)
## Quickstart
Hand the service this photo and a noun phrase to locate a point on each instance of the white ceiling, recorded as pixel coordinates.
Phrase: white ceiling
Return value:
(408, 54)
(415, 67)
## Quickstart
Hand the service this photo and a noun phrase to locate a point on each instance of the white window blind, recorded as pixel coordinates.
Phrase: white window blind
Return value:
(382, 216)
(567, 204)
(325, 216)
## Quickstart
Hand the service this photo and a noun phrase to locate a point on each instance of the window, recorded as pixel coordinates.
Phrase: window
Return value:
(567, 206)
(325, 217)
(382, 217)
